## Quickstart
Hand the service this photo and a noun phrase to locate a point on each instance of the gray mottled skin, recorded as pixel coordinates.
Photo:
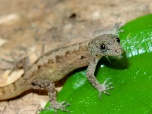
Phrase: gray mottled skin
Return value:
(56, 64)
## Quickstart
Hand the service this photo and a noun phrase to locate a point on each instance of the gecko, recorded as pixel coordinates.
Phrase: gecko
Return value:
(56, 64)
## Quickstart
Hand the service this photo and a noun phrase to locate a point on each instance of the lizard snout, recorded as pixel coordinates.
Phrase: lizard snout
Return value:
(118, 51)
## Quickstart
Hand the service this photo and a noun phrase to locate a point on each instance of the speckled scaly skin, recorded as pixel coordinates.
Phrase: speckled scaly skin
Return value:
(56, 64)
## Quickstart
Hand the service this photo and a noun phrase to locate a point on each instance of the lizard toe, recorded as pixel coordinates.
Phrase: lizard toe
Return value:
(104, 87)
(58, 106)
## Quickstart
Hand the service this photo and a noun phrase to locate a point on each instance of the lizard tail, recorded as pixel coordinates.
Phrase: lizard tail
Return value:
(13, 90)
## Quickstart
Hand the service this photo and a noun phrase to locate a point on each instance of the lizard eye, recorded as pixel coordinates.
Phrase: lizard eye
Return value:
(118, 40)
(103, 47)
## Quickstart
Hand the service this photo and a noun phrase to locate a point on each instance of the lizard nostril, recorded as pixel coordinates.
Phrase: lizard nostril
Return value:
(118, 51)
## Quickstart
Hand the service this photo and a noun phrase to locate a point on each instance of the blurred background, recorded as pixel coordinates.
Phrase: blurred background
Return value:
(28, 28)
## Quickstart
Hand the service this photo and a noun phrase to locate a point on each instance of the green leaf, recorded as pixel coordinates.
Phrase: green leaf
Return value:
(131, 77)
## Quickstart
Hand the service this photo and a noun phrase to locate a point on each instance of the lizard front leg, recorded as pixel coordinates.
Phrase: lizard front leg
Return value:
(50, 87)
(90, 75)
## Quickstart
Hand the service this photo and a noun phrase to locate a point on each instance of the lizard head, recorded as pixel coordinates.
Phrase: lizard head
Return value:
(105, 45)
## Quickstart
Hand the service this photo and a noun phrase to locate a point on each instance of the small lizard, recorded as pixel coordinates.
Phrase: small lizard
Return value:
(56, 64)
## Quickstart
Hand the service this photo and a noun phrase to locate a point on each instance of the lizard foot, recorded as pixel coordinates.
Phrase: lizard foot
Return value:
(58, 106)
(104, 87)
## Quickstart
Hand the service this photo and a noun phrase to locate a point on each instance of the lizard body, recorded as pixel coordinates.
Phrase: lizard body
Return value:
(56, 64)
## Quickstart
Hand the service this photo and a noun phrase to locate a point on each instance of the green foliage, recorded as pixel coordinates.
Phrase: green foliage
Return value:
(131, 77)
